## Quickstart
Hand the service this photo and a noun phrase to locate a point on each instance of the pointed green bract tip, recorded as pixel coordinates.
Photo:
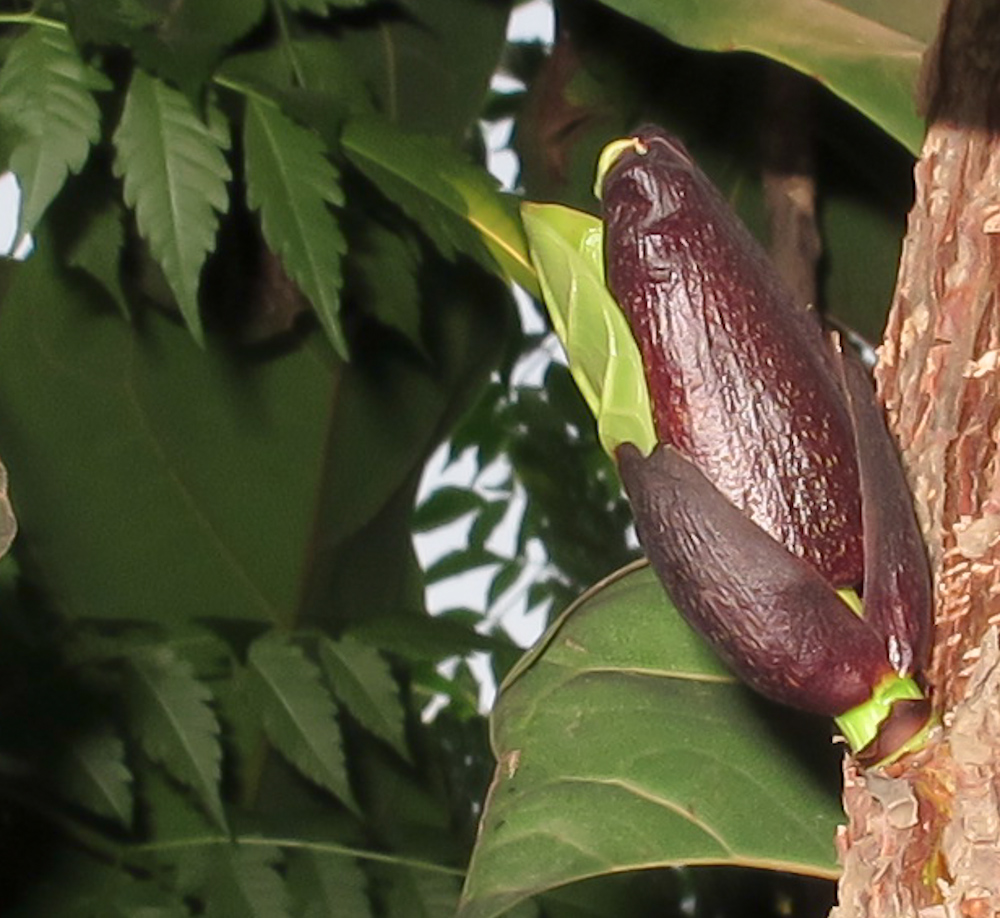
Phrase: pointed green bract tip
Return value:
(609, 156)
(567, 250)
(853, 601)
(861, 725)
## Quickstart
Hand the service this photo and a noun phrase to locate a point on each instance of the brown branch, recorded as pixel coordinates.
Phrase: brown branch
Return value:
(925, 839)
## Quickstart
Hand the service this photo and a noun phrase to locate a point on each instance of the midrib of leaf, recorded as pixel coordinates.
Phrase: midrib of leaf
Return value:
(208, 790)
(302, 242)
(300, 844)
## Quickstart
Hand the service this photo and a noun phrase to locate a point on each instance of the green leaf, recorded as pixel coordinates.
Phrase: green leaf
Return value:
(171, 715)
(623, 743)
(567, 249)
(238, 879)
(322, 7)
(291, 181)
(388, 264)
(412, 893)
(46, 102)
(363, 684)
(299, 714)
(327, 886)
(456, 203)
(503, 580)
(175, 179)
(166, 484)
(97, 778)
(98, 251)
(445, 505)
(874, 65)
(461, 562)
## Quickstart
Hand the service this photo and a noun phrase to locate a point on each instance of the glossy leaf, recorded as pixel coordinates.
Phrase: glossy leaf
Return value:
(171, 715)
(456, 203)
(175, 179)
(623, 743)
(291, 181)
(47, 103)
(364, 685)
(567, 250)
(298, 713)
(872, 64)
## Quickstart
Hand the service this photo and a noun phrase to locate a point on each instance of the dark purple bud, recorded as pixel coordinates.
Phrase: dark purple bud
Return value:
(776, 482)
(739, 377)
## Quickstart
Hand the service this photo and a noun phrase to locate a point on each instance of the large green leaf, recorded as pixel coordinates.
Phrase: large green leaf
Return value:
(298, 713)
(291, 182)
(872, 65)
(46, 101)
(623, 743)
(159, 482)
(456, 203)
(175, 179)
(171, 715)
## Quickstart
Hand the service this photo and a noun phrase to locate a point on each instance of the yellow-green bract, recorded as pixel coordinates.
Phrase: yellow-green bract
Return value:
(567, 249)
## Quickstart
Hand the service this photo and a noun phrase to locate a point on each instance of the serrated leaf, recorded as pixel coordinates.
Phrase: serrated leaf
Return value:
(327, 886)
(97, 778)
(566, 248)
(456, 203)
(47, 102)
(363, 684)
(873, 65)
(298, 712)
(237, 879)
(291, 181)
(175, 178)
(388, 264)
(98, 251)
(445, 505)
(624, 743)
(171, 715)
(412, 893)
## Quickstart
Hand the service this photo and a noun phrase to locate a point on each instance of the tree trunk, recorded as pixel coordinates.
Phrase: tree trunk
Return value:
(924, 836)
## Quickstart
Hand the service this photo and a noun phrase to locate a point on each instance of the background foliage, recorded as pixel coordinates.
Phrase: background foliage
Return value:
(271, 276)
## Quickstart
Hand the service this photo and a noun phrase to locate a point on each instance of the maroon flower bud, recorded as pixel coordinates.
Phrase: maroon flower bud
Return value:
(775, 483)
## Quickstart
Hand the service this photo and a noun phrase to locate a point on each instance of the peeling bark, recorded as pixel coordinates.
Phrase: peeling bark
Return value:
(924, 837)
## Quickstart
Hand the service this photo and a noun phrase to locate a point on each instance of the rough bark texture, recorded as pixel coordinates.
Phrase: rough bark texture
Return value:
(923, 838)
